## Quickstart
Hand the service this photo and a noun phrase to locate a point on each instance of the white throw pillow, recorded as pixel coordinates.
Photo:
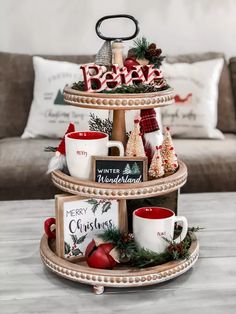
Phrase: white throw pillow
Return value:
(49, 116)
(194, 114)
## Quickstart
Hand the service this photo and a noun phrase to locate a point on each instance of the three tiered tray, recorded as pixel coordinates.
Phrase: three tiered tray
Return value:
(120, 276)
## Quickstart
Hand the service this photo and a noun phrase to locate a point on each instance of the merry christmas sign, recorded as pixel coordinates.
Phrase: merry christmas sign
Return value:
(79, 220)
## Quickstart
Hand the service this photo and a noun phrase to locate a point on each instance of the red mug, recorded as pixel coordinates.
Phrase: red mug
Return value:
(153, 227)
(50, 227)
(81, 146)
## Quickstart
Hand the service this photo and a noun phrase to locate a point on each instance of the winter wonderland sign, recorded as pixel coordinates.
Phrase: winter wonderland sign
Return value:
(119, 169)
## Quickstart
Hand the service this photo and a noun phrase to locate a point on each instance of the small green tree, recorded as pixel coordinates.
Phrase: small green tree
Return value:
(127, 169)
(135, 169)
(59, 100)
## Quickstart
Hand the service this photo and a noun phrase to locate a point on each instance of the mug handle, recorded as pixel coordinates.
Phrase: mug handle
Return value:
(184, 230)
(117, 144)
(49, 227)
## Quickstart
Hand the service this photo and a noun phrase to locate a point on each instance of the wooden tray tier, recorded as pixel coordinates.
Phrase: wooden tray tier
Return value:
(120, 276)
(120, 191)
(118, 101)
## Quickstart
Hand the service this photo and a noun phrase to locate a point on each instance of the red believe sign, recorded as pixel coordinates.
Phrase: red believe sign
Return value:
(118, 76)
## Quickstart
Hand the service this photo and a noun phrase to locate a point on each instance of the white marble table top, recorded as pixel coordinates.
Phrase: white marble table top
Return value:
(26, 286)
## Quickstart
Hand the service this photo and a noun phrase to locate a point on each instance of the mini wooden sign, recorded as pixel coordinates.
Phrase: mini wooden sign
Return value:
(93, 73)
(117, 169)
(79, 220)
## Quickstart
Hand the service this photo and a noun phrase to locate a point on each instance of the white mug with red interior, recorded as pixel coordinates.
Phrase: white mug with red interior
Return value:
(152, 226)
(81, 146)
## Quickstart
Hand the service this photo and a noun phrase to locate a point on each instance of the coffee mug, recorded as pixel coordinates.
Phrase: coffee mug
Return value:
(50, 227)
(153, 225)
(81, 146)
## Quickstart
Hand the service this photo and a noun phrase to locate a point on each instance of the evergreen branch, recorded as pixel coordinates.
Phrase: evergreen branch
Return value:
(111, 235)
(136, 89)
(100, 125)
(145, 258)
(50, 149)
(129, 252)
(130, 89)
(195, 229)
(141, 47)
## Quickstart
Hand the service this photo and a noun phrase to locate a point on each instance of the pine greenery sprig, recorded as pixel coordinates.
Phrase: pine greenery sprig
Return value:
(100, 125)
(135, 89)
(124, 89)
(141, 258)
(81, 86)
(195, 229)
(143, 50)
(144, 258)
(50, 149)
(141, 47)
(123, 242)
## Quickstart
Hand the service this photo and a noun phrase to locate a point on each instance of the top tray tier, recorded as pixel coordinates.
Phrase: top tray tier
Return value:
(118, 101)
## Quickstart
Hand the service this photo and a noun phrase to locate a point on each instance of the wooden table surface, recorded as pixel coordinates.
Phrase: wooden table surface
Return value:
(26, 286)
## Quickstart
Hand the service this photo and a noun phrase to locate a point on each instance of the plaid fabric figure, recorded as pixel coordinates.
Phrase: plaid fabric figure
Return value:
(150, 131)
(148, 122)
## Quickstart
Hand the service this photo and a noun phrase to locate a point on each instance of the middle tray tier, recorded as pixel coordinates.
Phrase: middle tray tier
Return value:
(121, 191)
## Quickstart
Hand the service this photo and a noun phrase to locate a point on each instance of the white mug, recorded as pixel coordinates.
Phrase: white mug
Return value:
(81, 146)
(153, 225)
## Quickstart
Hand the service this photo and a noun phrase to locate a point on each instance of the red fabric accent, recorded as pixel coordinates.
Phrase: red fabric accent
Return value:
(87, 135)
(148, 122)
(178, 98)
(153, 212)
(148, 150)
(129, 63)
(61, 147)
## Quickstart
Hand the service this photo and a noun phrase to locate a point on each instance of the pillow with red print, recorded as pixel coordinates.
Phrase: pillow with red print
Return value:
(194, 114)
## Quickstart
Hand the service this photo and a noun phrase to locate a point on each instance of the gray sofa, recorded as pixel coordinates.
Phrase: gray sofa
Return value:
(23, 162)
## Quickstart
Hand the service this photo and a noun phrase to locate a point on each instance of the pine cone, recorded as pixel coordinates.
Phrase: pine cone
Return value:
(152, 46)
(125, 238)
(151, 52)
(158, 52)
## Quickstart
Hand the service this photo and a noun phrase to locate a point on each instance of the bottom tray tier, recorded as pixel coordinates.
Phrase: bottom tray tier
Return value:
(121, 276)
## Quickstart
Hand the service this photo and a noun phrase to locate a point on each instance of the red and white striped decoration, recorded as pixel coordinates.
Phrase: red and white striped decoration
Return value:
(138, 74)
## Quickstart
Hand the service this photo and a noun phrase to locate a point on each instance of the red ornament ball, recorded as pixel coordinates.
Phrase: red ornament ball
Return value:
(99, 256)
(129, 63)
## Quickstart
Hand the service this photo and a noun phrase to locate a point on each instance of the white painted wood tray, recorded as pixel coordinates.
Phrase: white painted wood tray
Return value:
(118, 277)
(118, 101)
(120, 191)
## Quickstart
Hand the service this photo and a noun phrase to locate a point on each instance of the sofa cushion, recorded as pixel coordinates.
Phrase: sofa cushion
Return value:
(194, 114)
(211, 163)
(232, 67)
(23, 166)
(49, 115)
(16, 89)
(226, 108)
